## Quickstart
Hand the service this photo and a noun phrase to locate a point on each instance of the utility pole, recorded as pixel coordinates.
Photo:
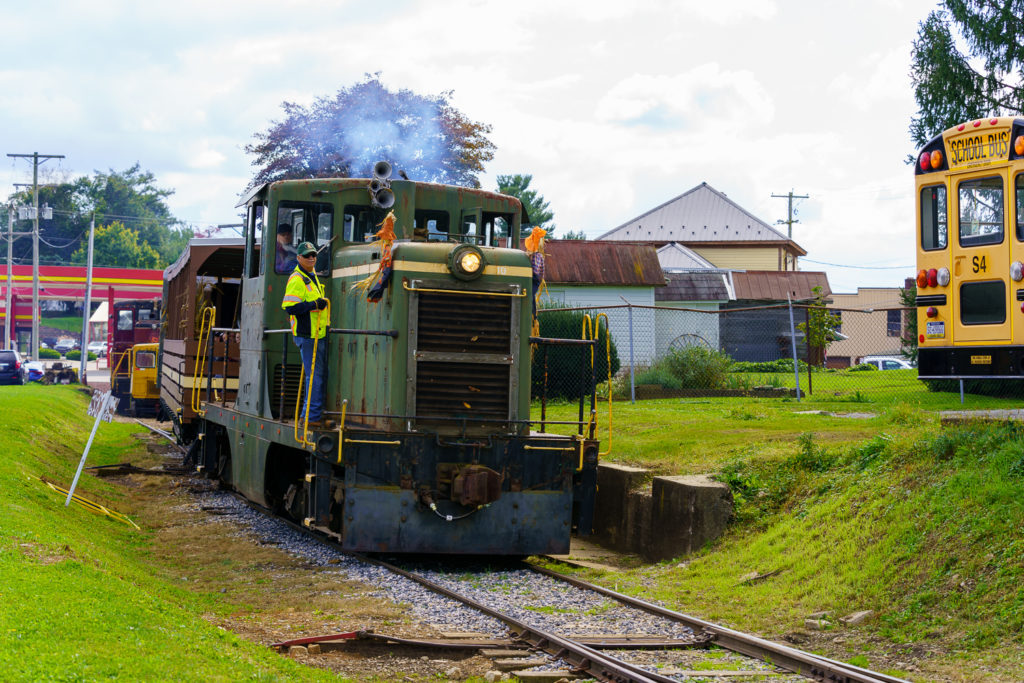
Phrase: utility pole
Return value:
(83, 363)
(36, 156)
(789, 221)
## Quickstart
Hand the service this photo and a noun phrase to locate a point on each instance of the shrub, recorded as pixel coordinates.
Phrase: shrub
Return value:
(564, 363)
(780, 365)
(76, 354)
(863, 367)
(49, 354)
(698, 367)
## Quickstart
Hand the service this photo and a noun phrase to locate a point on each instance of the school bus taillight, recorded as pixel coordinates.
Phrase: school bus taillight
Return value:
(922, 278)
(926, 161)
(1018, 145)
(932, 312)
(1016, 271)
(942, 277)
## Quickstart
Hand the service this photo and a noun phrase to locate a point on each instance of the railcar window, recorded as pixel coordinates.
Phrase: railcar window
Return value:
(145, 359)
(359, 224)
(436, 223)
(497, 228)
(981, 211)
(934, 228)
(124, 320)
(469, 232)
(1020, 206)
(256, 230)
(310, 222)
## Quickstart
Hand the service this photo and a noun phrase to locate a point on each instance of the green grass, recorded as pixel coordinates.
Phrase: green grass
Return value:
(77, 598)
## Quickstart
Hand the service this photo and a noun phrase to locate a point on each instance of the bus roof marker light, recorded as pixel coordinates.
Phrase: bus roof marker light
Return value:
(937, 159)
(925, 161)
(1018, 145)
(993, 122)
(961, 126)
(977, 123)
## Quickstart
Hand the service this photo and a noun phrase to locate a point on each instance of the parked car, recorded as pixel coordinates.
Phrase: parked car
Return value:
(34, 370)
(64, 345)
(98, 347)
(12, 369)
(887, 362)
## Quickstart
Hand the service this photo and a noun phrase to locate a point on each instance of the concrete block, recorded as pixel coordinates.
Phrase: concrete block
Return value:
(686, 513)
(613, 511)
(857, 617)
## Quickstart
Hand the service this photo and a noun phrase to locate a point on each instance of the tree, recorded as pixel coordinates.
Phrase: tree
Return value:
(950, 86)
(130, 196)
(575, 235)
(345, 135)
(820, 328)
(536, 208)
(117, 245)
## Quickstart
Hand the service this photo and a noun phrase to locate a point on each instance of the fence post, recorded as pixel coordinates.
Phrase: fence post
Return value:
(792, 341)
(632, 377)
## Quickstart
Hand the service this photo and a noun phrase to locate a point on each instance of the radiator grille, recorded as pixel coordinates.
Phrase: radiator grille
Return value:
(291, 390)
(456, 323)
(476, 390)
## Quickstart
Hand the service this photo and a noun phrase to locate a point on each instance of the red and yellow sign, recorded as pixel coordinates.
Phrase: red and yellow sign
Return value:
(977, 144)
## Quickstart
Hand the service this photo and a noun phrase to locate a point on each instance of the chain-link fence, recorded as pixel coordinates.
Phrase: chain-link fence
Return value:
(760, 351)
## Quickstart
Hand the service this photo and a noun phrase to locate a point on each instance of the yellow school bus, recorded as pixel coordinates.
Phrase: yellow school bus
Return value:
(145, 400)
(970, 251)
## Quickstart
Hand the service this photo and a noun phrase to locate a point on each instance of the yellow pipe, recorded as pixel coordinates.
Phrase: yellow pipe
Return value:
(407, 288)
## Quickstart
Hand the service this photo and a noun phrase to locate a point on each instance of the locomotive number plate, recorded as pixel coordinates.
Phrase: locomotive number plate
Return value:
(935, 330)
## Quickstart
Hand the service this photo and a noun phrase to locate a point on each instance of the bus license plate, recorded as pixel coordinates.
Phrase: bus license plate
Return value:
(935, 330)
(981, 360)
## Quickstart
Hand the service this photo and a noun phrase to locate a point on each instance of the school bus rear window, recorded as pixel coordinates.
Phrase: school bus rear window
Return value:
(934, 227)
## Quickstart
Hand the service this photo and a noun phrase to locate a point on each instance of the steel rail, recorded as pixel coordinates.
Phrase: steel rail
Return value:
(580, 656)
(803, 663)
(595, 663)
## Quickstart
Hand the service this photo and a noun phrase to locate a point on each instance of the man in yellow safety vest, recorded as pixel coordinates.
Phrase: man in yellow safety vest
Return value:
(305, 304)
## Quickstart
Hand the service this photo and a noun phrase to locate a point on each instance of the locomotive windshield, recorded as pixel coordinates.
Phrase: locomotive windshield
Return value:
(308, 222)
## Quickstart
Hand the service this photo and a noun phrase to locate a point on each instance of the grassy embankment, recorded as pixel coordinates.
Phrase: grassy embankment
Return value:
(69, 323)
(79, 597)
(893, 513)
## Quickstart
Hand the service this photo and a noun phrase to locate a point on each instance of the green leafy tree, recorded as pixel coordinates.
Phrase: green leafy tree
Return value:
(819, 329)
(908, 340)
(952, 86)
(117, 245)
(345, 135)
(518, 186)
(131, 196)
(574, 235)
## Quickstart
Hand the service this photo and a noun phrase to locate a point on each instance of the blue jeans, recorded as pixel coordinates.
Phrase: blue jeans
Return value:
(316, 401)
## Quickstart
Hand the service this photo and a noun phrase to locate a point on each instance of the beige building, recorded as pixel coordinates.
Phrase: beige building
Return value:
(871, 323)
(716, 228)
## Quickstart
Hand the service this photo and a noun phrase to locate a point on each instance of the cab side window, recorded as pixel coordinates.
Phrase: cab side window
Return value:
(934, 230)
(299, 222)
(1020, 206)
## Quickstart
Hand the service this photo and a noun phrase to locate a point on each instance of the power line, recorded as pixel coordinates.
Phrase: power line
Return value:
(843, 265)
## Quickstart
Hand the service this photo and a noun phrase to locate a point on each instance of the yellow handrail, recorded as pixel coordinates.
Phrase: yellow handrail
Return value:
(593, 327)
(468, 292)
(309, 388)
(206, 319)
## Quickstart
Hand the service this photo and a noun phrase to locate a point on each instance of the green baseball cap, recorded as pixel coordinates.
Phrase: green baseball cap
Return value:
(306, 249)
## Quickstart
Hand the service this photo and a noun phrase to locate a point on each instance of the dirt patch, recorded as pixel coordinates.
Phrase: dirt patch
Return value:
(267, 596)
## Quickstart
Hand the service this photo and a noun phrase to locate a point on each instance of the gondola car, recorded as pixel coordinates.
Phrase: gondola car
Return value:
(427, 375)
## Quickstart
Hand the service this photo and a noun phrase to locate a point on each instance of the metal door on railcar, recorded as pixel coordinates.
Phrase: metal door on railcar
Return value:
(981, 258)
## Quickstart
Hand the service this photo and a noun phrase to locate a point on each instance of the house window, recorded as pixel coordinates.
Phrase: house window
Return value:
(838, 329)
(894, 323)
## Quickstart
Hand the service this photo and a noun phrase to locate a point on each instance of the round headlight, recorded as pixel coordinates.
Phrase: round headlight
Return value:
(466, 262)
(470, 262)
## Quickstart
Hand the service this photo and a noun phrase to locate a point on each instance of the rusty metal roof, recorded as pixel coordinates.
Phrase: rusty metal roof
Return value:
(775, 285)
(694, 287)
(702, 214)
(583, 262)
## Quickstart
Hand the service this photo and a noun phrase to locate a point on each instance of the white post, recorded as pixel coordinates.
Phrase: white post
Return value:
(81, 463)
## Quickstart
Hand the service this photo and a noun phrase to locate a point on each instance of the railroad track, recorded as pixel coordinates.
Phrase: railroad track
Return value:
(592, 658)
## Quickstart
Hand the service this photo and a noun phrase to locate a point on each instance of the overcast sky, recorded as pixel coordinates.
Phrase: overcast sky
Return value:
(613, 108)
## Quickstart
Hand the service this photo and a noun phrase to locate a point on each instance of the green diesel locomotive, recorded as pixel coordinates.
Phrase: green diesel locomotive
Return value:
(430, 447)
